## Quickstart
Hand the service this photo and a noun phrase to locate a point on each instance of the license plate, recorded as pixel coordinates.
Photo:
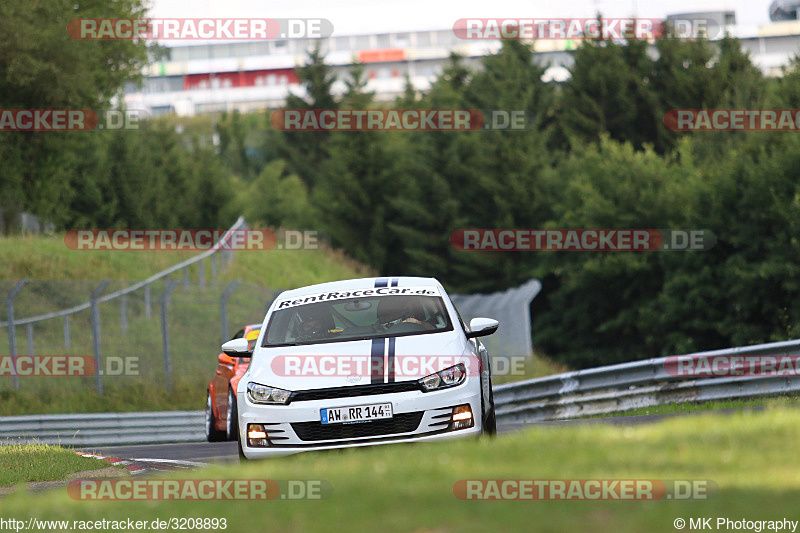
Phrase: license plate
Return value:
(357, 413)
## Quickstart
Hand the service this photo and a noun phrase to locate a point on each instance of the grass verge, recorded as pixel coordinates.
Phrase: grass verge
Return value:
(40, 462)
(690, 407)
(48, 258)
(410, 487)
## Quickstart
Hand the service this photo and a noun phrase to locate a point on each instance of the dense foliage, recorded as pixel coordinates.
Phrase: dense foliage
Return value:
(596, 154)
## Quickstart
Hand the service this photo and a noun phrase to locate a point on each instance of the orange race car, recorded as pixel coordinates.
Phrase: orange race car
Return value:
(221, 412)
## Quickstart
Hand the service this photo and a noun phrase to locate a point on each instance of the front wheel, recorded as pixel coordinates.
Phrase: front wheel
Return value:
(242, 457)
(212, 433)
(490, 420)
(488, 416)
(233, 417)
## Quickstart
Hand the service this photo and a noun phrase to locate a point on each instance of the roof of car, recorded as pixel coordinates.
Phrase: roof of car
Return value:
(361, 283)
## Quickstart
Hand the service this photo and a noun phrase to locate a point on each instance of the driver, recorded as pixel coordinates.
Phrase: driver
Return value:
(397, 310)
(314, 323)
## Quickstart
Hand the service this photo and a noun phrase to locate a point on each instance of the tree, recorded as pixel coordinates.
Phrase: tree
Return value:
(487, 179)
(42, 67)
(604, 307)
(276, 198)
(699, 74)
(609, 91)
(786, 89)
(355, 184)
(307, 152)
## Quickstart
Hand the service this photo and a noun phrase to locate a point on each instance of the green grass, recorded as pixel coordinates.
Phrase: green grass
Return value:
(750, 456)
(193, 318)
(48, 258)
(40, 462)
(689, 407)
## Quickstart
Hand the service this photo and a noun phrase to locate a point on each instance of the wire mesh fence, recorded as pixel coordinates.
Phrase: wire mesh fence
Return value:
(512, 309)
(163, 338)
(159, 334)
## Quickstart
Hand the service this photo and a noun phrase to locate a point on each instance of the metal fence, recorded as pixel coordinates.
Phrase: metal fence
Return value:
(158, 331)
(145, 322)
(641, 384)
(24, 223)
(166, 334)
(104, 429)
(512, 309)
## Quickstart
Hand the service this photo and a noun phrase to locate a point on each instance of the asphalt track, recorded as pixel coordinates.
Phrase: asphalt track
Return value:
(222, 452)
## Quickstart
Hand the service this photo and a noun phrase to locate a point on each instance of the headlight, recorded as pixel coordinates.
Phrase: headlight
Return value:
(449, 377)
(266, 394)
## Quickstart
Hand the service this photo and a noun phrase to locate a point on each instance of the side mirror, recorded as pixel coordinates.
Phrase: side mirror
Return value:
(224, 359)
(236, 348)
(480, 327)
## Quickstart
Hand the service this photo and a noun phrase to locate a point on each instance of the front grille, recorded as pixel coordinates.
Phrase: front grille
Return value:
(400, 423)
(355, 390)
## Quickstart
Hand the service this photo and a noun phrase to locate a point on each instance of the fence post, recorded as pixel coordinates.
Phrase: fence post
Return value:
(165, 334)
(123, 314)
(223, 308)
(30, 338)
(66, 332)
(201, 275)
(96, 334)
(186, 278)
(147, 301)
(12, 341)
(214, 266)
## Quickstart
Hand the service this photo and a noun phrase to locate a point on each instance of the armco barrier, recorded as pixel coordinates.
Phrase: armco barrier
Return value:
(602, 390)
(99, 429)
(618, 388)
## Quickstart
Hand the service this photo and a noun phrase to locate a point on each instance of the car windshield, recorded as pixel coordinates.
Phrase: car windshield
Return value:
(357, 318)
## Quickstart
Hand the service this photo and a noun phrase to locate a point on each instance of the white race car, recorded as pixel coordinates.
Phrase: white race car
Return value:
(362, 362)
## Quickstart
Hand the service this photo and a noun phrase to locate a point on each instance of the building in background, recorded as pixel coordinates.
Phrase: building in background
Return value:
(258, 75)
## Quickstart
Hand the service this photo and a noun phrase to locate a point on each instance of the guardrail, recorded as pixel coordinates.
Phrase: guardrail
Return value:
(602, 390)
(618, 388)
(104, 429)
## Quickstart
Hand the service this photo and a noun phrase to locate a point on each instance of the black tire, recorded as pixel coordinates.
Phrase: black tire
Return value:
(488, 416)
(232, 417)
(242, 458)
(490, 420)
(212, 433)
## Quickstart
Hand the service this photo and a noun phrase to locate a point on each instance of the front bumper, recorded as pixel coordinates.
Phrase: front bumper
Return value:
(417, 415)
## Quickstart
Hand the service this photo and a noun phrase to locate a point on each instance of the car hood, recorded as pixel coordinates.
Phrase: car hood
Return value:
(357, 362)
